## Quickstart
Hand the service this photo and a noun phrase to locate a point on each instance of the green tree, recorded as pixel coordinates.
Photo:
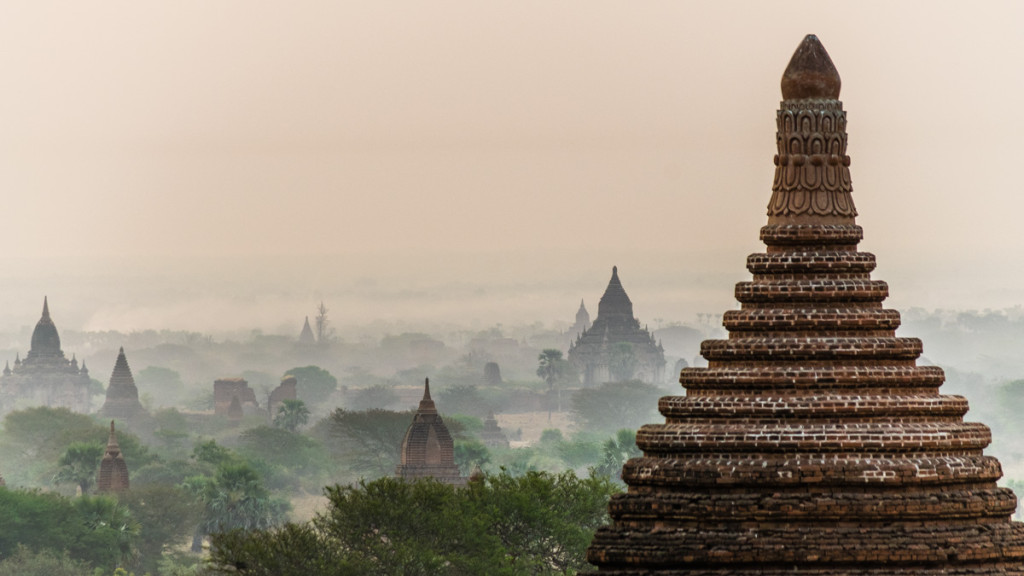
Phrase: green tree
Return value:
(78, 465)
(294, 452)
(315, 385)
(172, 429)
(469, 454)
(161, 384)
(291, 415)
(403, 528)
(463, 399)
(376, 396)
(538, 524)
(616, 451)
(616, 405)
(109, 514)
(26, 562)
(544, 521)
(369, 442)
(292, 549)
(166, 515)
(233, 498)
(48, 521)
(35, 439)
(552, 368)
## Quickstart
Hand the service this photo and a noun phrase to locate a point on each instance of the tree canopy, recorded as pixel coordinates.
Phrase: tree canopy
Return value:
(538, 523)
(315, 385)
(616, 405)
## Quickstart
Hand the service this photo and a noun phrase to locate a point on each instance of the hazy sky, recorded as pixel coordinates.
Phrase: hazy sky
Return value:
(204, 164)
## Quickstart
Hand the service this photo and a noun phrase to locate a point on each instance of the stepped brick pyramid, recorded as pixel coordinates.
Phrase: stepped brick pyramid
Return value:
(122, 400)
(812, 443)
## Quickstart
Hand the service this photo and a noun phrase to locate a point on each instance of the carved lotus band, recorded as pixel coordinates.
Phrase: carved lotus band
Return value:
(812, 174)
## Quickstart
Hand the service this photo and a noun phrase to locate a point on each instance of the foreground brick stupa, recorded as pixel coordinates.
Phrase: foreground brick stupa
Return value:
(812, 443)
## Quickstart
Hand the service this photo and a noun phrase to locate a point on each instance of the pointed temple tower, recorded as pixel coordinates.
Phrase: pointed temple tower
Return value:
(113, 474)
(122, 395)
(594, 352)
(306, 337)
(45, 377)
(812, 443)
(428, 449)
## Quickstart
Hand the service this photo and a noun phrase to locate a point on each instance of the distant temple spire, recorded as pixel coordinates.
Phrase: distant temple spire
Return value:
(122, 400)
(306, 336)
(113, 474)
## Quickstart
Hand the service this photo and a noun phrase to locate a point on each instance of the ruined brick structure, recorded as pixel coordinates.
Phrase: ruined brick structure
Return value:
(615, 347)
(812, 443)
(113, 473)
(232, 396)
(45, 377)
(122, 400)
(287, 390)
(428, 449)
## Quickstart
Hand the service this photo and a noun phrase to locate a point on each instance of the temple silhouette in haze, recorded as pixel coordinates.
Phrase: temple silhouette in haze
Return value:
(45, 377)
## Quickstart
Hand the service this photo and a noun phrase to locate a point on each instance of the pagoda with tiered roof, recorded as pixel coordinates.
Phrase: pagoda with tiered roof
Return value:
(812, 443)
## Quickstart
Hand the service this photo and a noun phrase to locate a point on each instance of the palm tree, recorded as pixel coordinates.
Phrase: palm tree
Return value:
(551, 367)
(78, 465)
(291, 415)
(616, 451)
(107, 512)
(233, 498)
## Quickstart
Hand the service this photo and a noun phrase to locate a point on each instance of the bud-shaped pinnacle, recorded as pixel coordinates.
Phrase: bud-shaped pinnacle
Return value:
(810, 73)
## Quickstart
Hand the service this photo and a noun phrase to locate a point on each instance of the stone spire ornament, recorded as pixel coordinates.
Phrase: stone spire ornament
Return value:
(812, 443)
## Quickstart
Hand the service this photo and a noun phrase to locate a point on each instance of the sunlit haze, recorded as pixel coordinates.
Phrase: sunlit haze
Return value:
(218, 166)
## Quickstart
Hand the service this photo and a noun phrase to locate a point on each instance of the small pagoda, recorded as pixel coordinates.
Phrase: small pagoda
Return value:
(812, 443)
(428, 450)
(113, 474)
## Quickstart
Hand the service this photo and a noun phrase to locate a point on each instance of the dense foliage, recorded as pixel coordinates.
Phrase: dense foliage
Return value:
(97, 530)
(538, 523)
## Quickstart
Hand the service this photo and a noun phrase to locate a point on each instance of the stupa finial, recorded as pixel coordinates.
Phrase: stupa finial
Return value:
(810, 73)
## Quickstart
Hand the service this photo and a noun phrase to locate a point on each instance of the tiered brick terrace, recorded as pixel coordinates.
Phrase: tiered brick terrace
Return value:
(812, 443)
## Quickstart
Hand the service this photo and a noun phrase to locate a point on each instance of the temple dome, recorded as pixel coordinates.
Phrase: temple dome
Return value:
(45, 340)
